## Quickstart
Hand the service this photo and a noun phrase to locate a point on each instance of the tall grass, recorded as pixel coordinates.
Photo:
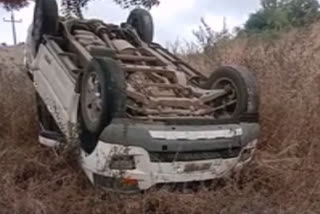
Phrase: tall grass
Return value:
(282, 179)
(287, 68)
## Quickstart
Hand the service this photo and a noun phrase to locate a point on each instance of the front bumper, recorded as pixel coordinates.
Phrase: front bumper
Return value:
(147, 174)
(171, 138)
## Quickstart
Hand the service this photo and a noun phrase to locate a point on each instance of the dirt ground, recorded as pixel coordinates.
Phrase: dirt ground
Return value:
(283, 179)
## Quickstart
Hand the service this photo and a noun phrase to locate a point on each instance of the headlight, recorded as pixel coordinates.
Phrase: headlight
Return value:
(122, 162)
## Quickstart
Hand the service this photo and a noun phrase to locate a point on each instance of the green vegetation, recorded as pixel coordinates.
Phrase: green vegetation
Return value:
(13, 4)
(279, 14)
(76, 5)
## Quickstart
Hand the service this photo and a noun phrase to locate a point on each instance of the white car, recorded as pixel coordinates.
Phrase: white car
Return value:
(142, 116)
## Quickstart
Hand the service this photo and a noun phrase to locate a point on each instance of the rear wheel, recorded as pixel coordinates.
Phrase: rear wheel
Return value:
(47, 126)
(141, 20)
(45, 20)
(241, 100)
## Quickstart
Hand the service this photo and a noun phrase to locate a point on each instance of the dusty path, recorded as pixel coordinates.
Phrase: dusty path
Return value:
(11, 58)
(16, 106)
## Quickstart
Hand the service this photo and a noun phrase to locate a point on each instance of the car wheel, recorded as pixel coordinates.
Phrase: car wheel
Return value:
(242, 98)
(103, 97)
(141, 20)
(47, 125)
(45, 20)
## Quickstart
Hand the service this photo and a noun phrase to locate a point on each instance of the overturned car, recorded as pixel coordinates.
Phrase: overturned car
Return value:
(142, 116)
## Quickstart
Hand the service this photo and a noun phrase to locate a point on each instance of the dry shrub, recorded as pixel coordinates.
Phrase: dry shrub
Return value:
(287, 68)
(282, 179)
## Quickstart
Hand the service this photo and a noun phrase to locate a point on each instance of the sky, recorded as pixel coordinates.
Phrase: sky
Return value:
(174, 19)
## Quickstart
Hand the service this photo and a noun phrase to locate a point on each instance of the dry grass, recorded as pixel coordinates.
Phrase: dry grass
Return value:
(283, 179)
(287, 71)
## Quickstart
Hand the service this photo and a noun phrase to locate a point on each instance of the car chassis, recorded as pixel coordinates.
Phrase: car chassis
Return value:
(166, 122)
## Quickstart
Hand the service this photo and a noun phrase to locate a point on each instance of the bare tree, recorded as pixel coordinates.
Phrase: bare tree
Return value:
(13, 4)
(75, 6)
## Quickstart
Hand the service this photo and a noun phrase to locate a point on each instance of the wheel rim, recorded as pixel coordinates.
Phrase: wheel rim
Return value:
(93, 100)
(228, 103)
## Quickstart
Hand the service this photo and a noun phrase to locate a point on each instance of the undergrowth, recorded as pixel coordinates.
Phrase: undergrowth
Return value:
(282, 179)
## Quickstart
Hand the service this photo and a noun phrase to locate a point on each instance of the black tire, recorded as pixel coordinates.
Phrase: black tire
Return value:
(112, 92)
(42, 113)
(45, 20)
(47, 126)
(245, 85)
(142, 21)
(117, 87)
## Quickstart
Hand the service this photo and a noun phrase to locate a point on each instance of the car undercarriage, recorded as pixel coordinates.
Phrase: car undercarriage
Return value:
(158, 84)
(139, 110)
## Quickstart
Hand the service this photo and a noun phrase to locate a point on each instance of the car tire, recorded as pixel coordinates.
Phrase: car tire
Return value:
(117, 87)
(102, 95)
(142, 21)
(245, 87)
(47, 125)
(45, 20)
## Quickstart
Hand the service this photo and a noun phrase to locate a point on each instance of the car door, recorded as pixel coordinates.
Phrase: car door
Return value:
(56, 86)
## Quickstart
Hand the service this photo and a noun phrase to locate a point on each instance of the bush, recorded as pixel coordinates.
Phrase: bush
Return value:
(279, 14)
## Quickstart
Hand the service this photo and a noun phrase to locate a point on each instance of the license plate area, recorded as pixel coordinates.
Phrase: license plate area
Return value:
(197, 167)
